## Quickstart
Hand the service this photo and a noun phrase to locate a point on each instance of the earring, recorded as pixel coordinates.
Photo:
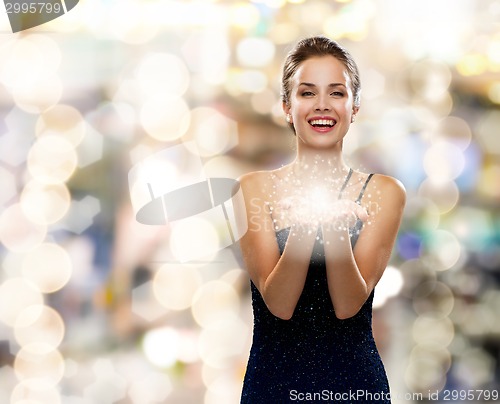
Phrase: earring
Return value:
(288, 118)
(353, 118)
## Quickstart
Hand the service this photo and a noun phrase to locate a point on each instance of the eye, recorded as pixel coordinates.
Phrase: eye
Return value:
(307, 94)
(338, 94)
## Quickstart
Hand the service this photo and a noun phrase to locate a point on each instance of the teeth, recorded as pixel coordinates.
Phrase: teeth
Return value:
(325, 122)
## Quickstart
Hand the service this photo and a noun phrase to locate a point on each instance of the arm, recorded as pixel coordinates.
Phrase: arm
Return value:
(352, 275)
(279, 279)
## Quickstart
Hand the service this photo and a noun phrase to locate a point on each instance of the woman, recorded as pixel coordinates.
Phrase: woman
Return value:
(319, 238)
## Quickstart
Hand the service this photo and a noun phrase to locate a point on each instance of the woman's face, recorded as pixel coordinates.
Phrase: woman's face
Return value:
(321, 102)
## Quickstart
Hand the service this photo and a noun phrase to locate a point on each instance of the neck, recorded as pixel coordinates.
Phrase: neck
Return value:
(320, 163)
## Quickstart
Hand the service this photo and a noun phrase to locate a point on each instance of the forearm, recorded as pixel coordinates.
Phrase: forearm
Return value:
(283, 287)
(348, 289)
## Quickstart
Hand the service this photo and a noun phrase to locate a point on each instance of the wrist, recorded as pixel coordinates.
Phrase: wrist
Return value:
(334, 233)
(303, 230)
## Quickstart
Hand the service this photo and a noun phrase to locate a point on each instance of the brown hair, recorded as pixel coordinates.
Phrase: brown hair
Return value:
(313, 47)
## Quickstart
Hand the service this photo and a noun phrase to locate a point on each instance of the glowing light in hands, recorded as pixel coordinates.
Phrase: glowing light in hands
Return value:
(316, 205)
(321, 201)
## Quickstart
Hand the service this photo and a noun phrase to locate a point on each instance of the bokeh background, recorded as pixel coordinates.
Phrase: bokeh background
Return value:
(92, 307)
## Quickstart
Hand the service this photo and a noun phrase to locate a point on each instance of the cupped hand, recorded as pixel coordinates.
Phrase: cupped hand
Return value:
(305, 211)
(343, 214)
(296, 211)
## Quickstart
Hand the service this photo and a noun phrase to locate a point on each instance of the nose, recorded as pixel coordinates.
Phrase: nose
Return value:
(322, 103)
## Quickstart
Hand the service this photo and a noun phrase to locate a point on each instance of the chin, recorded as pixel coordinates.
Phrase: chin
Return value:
(322, 141)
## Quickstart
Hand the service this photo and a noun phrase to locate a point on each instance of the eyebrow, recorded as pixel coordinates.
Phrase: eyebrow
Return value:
(331, 85)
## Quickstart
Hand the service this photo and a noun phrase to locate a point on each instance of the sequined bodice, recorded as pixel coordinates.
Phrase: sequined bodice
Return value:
(314, 315)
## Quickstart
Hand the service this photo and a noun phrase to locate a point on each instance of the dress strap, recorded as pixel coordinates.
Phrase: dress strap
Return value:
(362, 192)
(345, 183)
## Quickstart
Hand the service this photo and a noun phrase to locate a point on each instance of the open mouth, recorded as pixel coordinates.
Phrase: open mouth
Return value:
(322, 123)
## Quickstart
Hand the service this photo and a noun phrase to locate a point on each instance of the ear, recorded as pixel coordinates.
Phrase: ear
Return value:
(286, 108)
(355, 110)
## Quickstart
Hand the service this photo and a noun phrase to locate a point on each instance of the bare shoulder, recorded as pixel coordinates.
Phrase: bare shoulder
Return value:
(256, 183)
(252, 179)
(389, 188)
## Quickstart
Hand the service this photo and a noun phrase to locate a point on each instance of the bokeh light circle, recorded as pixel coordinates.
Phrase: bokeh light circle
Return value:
(52, 159)
(174, 286)
(444, 248)
(214, 301)
(17, 232)
(161, 346)
(162, 73)
(45, 203)
(494, 92)
(217, 346)
(424, 213)
(255, 52)
(16, 294)
(433, 299)
(426, 371)
(444, 161)
(414, 271)
(40, 96)
(389, 285)
(487, 132)
(193, 237)
(50, 51)
(222, 166)
(439, 354)
(455, 130)
(165, 118)
(48, 266)
(244, 15)
(224, 388)
(210, 133)
(18, 58)
(152, 387)
(35, 391)
(430, 330)
(444, 194)
(247, 81)
(39, 324)
(133, 22)
(63, 120)
(39, 361)
(430, 79)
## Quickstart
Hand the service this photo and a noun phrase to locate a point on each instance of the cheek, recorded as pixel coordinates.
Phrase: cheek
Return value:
(297, 109)
(346, 106)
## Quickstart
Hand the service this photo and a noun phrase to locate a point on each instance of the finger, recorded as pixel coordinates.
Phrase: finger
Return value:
(361, 213)
(284, 204)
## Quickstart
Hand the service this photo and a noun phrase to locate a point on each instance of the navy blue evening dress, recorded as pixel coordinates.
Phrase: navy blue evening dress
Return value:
(314, 356)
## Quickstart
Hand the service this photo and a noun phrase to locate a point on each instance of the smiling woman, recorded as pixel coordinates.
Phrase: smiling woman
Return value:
(318, 243)
(321, 99)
